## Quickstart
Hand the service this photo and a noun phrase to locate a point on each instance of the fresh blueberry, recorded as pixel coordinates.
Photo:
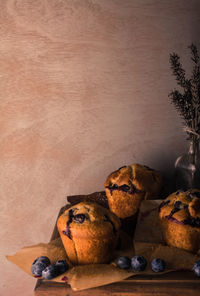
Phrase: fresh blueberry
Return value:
(138, 263)
(157, 265)
(62, 265)
(196, 268)
(39, 265)
(50, 272)
(43, 259)
(37, 268)
(124, 262)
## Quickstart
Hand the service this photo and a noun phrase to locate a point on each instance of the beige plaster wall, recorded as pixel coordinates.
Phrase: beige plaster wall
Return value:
(83, 90)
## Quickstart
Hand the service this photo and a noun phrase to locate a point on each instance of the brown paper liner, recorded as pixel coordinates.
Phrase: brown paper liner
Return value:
(148, 242)
(94, 275)
(25, 257)
(127, 224)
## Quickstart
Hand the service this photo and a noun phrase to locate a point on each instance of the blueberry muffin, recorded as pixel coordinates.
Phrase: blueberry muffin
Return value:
(128, 186)
(180, 219)
(89, 233)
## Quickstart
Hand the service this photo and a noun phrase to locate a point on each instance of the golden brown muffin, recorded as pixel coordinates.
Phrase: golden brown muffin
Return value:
(180, 219)
(89, 233)
(128, 186)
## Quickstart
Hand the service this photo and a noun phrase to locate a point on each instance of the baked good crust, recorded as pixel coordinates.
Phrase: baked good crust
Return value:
(94, 239)
(180, 219)
(144, 183)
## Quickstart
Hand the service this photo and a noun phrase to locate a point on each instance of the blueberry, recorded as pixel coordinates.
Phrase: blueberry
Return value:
(62, 265)
(43, 259)
(112, 187)
(173, 211)
(138, 263)
(39, 265)
(196, 268)
(124, 262)
(157, 265)
(50, 272)
(178, 204)
(37, 268)
(134, 189)
(67, 232)
(124, 188)
(79, 218)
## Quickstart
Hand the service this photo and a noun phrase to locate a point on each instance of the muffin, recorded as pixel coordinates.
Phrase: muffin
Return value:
(128, 186)
(89, 233)
(179, 215)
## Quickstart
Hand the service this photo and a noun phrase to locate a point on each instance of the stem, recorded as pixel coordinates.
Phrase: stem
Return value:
(195, 126)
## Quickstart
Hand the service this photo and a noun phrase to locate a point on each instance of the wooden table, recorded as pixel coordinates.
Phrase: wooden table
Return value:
(175, 283)
(183, 283)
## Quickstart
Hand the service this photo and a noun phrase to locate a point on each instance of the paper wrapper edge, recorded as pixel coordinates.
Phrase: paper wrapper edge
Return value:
(25, 256)
(94, 275)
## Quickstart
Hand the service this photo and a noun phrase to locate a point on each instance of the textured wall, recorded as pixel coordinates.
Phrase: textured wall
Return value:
(84, 89)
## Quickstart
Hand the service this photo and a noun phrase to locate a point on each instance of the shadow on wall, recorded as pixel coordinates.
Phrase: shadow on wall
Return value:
(167, 171)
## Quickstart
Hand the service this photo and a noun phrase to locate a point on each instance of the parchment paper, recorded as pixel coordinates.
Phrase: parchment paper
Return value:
(25, 257)
(147, 242)
(148, 239)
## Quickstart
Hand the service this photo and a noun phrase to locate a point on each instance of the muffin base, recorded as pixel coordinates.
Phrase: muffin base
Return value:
(124, 204)
(181, 236)
(89, 251)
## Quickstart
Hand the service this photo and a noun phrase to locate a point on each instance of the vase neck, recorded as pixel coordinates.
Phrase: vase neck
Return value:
(191, 147)
(193, 151)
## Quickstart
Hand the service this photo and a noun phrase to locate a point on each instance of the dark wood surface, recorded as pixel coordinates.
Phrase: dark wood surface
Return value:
(182, 283)
(176, 284)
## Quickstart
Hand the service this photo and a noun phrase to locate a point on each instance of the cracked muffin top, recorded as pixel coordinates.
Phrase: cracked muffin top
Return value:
(88, 219)
(182, 207)
(133, 179)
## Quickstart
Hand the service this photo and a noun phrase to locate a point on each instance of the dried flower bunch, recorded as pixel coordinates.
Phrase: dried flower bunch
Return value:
(187, 103)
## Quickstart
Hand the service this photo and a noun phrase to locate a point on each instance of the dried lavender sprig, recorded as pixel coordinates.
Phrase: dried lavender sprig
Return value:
(194, 53)
(195, 78)
(188, 103)
(183, 106)
(178, 71)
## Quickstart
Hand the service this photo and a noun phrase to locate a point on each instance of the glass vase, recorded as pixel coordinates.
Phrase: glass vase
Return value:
(187, 168)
